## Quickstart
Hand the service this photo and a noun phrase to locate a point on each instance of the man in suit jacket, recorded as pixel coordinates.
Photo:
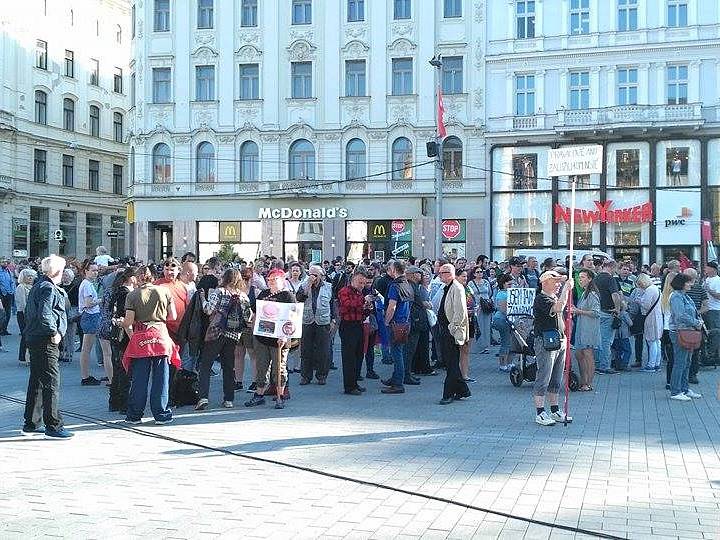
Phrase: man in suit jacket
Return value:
(453, 330)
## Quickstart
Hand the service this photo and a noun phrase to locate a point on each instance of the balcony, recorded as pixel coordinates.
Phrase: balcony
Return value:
(621, 116)
(535, 122)
(307, 188)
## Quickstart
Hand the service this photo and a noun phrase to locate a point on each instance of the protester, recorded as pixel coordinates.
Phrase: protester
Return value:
(652, 322)
(462, 278)
(319, 320)
(418, 346)
(7, 292)
(101, 256)
(71, 285)
(700, 298)
(46, 323)
(26, 278)
(501, 323)
(587, 329)
(482, 292)
(610, 306)
(712, 316)
(124, 283)
(397, 320)
(89, 307)
(683, 318)
(353, 308)
(453, 332)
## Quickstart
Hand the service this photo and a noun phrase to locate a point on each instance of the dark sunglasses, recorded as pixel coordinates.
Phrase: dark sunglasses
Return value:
(171, 265)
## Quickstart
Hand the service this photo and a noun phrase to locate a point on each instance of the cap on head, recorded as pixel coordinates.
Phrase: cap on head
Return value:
(712, 264)
(550, 274)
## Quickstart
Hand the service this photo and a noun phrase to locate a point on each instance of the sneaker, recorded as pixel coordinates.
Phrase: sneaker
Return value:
(90, 381)
(560, 417)
(227, 404)
(372, 375)
(238, 386)
(393, 390)
(681, 397)
(255, 401)
(28, 430)
(280, 403)
(61, 433)
(544, 419)
(133, 422)
(202, 404)
(163, 422)
(445, 401)
(647, 370)
(692, 394)
(251, 389)
(470, 379)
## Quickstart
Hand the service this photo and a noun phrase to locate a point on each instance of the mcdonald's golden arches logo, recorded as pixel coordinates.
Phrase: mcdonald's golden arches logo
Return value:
(229, 231)
(379, 230)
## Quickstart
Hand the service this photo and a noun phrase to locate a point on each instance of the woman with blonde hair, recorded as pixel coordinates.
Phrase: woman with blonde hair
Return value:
(26, 278)
(651, 312)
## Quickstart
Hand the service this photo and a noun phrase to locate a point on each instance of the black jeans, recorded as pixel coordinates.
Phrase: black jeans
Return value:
(418, 352)
(315, 351)
(369, 354)
(225, 349)
(23, 345)
(455, 385)
(668, 353)
(7, 300)
(120, 385)
(43, 393)
(351, 337)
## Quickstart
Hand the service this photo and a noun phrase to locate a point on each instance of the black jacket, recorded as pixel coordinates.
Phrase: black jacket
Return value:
(45, 311)
(194, 325)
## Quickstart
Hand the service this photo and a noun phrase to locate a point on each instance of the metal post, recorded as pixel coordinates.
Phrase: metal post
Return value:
(437, 64)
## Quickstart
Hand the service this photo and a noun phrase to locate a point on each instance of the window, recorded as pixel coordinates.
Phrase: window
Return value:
(452, 75)
(355, 160)
(205, 83)
(677, 13)
(301, 79)
(69, 64)
(401, 9)
(132, 90)
(117, 179)
(68, 225)
(677, 85)
(93, 232)
(249, 81)
(132, 165)
(525, 19)
(161, 164)
(402, 157)
(627, 86)
(132, 22)
(161, 85)
(205, 163)
(68, 114)
(41, 54)
(40, 107)
(118, 127)
(524, 95)
(118, 34)
(579, 17)
(161, 16)
(402, 76)
(452, 158)
(355, 10)
(39, 231)
(68, 170)
(118, 81)
(40, 166)
(355, 78)
(452, 8)
(302, 11)
(94, 175)
(249, 161)
(205, 14)
(94, 120)
(94, 72)
(302, 160)
(579, 90)
(248, 13)
(627, 15)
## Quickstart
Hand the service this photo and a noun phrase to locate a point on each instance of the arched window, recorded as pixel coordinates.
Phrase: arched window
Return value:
(132, 165)
(249, 170)
(94, 120)
(68, 114)
(452, 158)
(205, 163)
(402, 157)
(40, 107)
(355, 159)
(161, 164)
(302, 160)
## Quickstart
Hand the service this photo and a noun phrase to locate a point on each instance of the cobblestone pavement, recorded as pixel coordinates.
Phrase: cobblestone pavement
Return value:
(632, 464)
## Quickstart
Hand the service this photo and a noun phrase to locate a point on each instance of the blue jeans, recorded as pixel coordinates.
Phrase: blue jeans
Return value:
(397, 351)
(140, 371)
(188, 361)
(622, 349)
(501, 324)
(607, 336)
(681, 367)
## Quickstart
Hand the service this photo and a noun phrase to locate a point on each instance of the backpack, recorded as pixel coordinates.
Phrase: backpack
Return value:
(234, 319)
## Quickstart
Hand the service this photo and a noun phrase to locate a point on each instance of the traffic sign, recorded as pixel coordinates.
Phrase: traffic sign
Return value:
(398, 226)
(451, 229)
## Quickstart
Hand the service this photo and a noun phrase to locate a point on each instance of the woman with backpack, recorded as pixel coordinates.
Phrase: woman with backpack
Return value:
(229, 309)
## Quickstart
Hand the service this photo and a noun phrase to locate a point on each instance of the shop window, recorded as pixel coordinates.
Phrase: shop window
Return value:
(20, 237)
(303, 240)
(676, 165)
(453, 237)
(524, 167)
(522, 219)
(93, 233)
(452, 158)
(240, 238)
(627, 168)
(117, 243)
(402, 156)
(378, 240)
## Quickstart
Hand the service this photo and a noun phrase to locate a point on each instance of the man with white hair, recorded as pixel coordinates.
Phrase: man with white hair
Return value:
(319, 319)
(102, 258)
(45, 325)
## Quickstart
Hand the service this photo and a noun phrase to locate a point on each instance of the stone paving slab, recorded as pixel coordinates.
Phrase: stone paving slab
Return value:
(632, 464)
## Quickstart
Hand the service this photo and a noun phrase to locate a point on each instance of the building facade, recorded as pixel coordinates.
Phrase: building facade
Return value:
(63, 127)
(640, 77)
(298, 128)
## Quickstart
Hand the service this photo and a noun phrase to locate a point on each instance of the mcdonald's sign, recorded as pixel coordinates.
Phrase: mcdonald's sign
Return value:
(378, 230)
(229, 231)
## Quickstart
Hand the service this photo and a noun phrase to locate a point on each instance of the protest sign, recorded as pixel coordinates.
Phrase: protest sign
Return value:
(278, 320)
(520, 302)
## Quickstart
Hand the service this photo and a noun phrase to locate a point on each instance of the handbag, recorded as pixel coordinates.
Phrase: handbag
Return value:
(117, 334)
(638, 325)
(689, 339)
(432, 317)
(551, 340)
(486, 306)
(399, 332)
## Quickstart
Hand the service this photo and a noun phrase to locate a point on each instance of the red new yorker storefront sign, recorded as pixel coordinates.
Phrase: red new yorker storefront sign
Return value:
(641, 213)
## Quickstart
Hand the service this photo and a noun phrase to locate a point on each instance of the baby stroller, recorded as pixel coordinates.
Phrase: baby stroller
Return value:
(522, 343)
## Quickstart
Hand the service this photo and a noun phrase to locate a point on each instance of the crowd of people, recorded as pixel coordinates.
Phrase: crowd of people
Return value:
(165, 325)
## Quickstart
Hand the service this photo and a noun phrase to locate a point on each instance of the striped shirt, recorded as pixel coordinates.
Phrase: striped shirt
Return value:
(698, 295)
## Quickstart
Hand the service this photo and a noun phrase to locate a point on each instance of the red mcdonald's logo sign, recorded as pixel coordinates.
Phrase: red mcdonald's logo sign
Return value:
(641, 213)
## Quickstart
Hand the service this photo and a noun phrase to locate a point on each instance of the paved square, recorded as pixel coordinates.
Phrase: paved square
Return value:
(632, 464)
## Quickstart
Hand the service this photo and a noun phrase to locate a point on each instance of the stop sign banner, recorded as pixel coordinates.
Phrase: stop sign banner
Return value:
(397, 226)
(450, 229)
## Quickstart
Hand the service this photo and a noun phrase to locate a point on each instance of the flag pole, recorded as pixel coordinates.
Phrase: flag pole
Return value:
(568, 308)
(436, 63)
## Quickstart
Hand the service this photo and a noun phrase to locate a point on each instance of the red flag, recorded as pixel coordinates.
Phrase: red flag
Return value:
(440, 112)
(706, 231)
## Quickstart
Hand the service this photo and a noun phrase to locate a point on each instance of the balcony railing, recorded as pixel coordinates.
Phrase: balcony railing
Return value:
(309, 188)
(631, 114)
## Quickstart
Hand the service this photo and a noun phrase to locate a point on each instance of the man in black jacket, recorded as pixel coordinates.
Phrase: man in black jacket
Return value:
(46, 324)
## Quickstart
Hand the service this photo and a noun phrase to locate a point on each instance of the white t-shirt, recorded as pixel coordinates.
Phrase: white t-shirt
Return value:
(713, 284)
(87, 290)
(103, 260)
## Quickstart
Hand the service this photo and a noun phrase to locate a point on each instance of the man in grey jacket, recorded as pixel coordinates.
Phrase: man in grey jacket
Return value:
(318, 323)
(46, 324)
(453, 331)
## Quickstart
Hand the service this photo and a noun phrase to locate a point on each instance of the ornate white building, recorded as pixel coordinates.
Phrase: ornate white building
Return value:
(315, 112)
(63, 126)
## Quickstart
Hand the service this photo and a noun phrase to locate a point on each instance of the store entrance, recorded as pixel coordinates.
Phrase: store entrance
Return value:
(160, 240)
(304, 251)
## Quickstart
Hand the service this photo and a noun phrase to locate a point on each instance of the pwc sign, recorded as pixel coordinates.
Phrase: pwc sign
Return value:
(681, 219)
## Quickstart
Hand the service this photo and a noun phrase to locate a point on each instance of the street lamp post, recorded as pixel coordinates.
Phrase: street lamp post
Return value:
(436, 63)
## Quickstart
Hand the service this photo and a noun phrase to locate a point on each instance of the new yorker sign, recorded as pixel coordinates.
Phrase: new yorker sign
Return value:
(303, 213)
(602, 213)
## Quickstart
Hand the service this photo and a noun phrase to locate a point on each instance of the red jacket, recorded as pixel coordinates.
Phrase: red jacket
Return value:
(149, 341)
